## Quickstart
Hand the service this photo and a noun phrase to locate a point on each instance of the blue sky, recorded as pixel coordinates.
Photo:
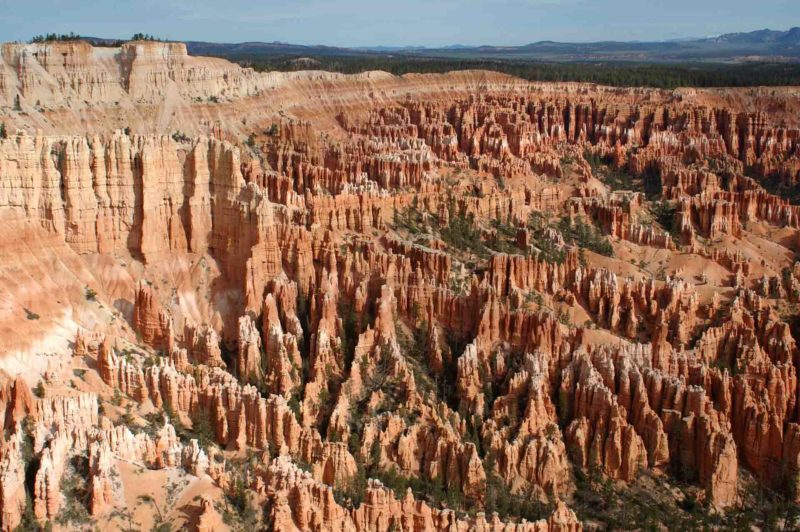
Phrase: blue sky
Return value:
(410, 22)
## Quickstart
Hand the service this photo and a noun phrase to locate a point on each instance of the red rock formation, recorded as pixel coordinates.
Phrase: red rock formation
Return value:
(209, 520)
(152, 322)
(203, 345)
(12, 482)
(16, 402)
(101, 483)
(617, 216)
(47, 498)
(240, 416)
(599, 436)
(343, 293)
(248, 360)
(313, 505)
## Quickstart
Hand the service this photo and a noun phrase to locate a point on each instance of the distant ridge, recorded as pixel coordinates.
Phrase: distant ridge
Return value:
(759, 45)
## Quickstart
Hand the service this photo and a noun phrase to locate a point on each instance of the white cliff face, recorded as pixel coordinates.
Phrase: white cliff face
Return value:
(67, 73)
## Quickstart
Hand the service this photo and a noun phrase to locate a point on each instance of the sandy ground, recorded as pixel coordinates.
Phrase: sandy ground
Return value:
(147, 494)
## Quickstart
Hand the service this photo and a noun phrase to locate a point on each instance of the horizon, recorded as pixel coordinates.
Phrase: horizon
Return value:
(360, 24)
(451, 45)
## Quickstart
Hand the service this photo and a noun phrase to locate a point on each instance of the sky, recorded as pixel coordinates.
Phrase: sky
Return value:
(396, 23)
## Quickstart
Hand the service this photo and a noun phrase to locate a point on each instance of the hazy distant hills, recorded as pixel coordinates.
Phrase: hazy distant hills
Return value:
(267, 49)
(761, 45)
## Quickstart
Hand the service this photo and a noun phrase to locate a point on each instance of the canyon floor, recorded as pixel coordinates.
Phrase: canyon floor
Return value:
(233, 300)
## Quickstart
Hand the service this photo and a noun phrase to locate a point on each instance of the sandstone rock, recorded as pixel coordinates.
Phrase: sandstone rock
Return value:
(209, 520)
(102, 470)
(12, 482)
(150, 320)
(338, 263)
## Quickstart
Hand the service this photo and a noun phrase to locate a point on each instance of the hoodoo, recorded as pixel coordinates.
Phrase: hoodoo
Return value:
(232, 299)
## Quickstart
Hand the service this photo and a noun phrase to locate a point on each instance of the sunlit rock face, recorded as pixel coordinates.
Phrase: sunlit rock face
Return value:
(311, 301)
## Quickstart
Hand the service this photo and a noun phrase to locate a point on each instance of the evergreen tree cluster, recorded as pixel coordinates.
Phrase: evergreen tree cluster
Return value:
(56, 37)
(616, 74)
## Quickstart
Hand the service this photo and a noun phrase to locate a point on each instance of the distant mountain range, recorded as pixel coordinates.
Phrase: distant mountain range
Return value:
(761, 45)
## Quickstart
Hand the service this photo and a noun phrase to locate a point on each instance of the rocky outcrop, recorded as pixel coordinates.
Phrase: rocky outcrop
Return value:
(618, 216)
(315, 507)
(102, 470)
(389, 276)
(248, 360)
(16, 402)
(599, 436)
(141, 70)
(203, 345)
(152, 322)
(12, 482)
(241, 417)
(209, 520)
(47, 498)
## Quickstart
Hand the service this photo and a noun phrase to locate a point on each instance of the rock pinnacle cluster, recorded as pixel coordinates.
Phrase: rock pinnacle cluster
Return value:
(233, 300)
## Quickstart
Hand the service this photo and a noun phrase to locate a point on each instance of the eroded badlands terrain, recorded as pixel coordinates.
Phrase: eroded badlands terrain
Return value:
(323, 302)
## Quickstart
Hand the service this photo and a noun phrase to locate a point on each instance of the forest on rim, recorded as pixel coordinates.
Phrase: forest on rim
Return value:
(664, 76)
